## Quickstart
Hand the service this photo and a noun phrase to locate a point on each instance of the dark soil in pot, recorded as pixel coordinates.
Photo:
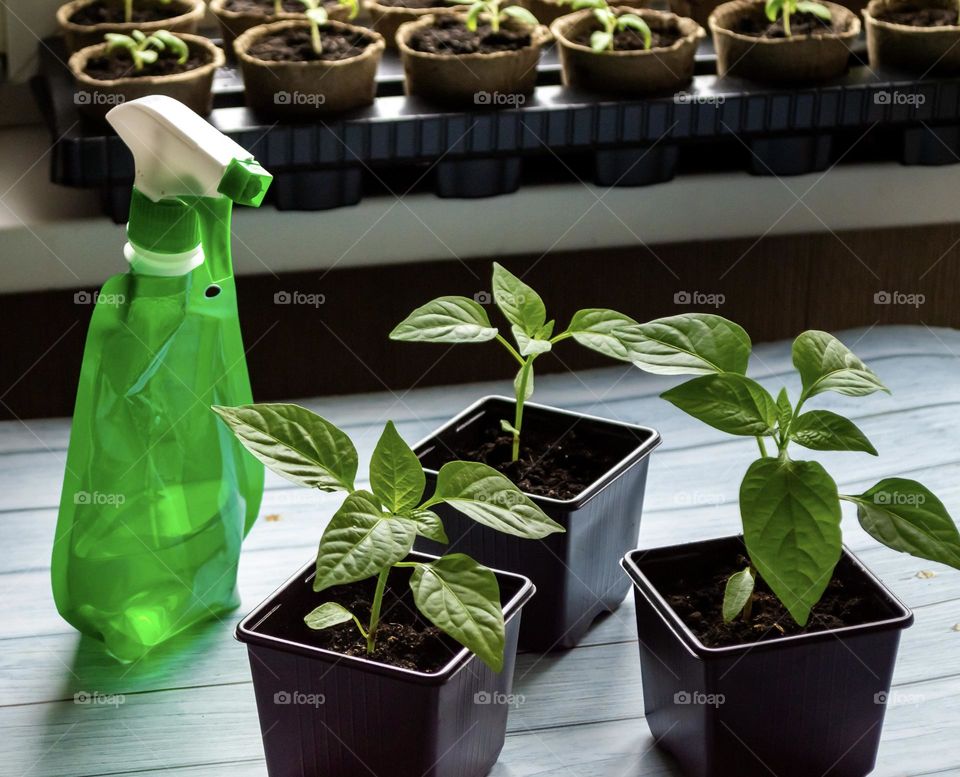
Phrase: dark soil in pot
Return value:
(103, 12)
(404, 638)
(414, 3)
(559, 468)
(914, 36)
(293, 45)
(451, 36)
(631, 40)
(106, 68)
(697, 598)
(758, 25)
(916, 16)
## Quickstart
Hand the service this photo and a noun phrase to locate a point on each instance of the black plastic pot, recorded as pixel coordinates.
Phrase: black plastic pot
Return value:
(575, 572)
(325, 714)
(796, 706)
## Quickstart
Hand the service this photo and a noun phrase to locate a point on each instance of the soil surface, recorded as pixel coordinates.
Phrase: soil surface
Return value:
(294, 46)
(560, 470)
(915, 16)
(415, 3)
(120, 65)
(760, 26)
(265, 7)
(699, 603)
(112, 13)
(451, 36)
(631, 40)
(404, 638)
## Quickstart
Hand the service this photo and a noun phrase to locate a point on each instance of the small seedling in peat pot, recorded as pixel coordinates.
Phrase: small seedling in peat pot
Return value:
(464, 320)
(317, 16)
(374, 530)
(790, 509)
(128, 9)
(494, 14)
(786, 8)
(603, 39)
(144, 49)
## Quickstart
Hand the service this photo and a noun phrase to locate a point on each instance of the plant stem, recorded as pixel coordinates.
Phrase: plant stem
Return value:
(513, 351)
(375, 610)
(495, 21)
(128, 11)
(763, 448)
(315, 38)
(277, 7)
(521, 398)
(786, 22)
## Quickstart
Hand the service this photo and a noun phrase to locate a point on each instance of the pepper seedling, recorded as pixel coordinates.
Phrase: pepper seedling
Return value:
(603, 39)
(790, 509)
(495, 14)
(463, 320)
(317, 16)
(373, 531)
(787, 8)
(128, 9)
(144, 49)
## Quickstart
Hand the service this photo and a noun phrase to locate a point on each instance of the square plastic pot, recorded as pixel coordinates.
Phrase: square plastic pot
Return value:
(796, 706)
(325, 714)
(575, 572)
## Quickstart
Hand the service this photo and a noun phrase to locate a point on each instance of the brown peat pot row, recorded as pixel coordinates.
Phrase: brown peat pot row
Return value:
(919, 38)
(387, 17)
(193, 87)
(85, 22)
(235, 17)
(339, 715)
(804, 704)
(576, 571)
(661, 69)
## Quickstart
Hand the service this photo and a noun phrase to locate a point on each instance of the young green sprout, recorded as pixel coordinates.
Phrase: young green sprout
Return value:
(464, 320)
(144, 49)
(494, 14)
(128, 9)
(787, 8)
(374, 530)
(316, 14)
(611, 23)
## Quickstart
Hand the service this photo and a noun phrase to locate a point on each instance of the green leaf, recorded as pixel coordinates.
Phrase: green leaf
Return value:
(473, 15)
(821, 11)
(360, 541)
(295, 443)
(632, 21)
(446, 320)
(461, 598)
(428, 525)
(737, 593)
(148, 55)
(489, 498)
(318, 16)
(509, 428)
(578, 5)
(784, 411)
(521, 14)
(821, 430)
(791, 526)
(396, 475)
(732, 403)
(826, 364)
(530, 345)
(772, 9)
(528, 392)
(689, 344)
(601, 40)
(520, 304)
(906, 516)
(599, 330)
(327, 615)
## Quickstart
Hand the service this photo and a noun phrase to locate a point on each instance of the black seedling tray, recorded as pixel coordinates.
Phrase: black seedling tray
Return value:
(404, 143)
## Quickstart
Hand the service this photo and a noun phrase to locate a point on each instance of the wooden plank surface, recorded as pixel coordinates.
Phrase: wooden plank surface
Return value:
(188, 709)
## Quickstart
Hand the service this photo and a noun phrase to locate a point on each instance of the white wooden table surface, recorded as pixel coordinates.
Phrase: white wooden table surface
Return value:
(189, 708)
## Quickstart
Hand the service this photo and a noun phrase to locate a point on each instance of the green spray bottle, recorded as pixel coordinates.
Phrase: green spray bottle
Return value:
(158, 495)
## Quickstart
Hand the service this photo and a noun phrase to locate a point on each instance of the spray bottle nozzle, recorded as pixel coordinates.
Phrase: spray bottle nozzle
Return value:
(245, 182)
